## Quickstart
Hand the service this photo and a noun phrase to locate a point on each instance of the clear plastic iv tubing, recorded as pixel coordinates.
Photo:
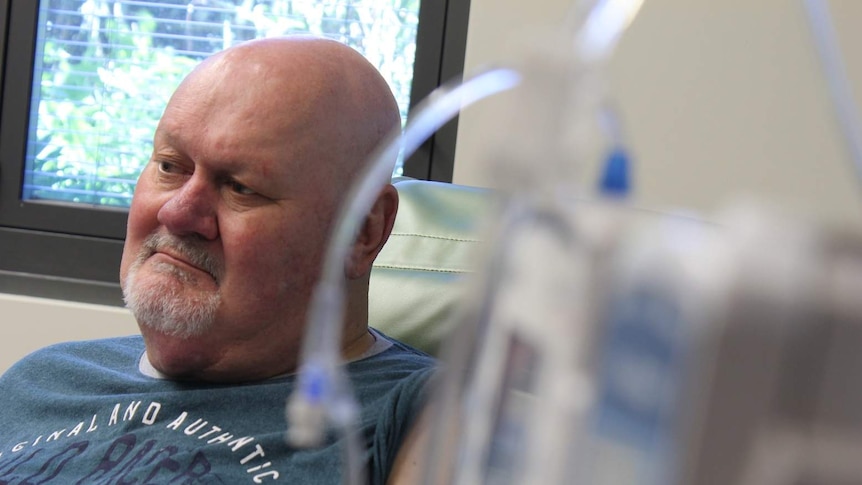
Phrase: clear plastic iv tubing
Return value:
(826, 42)
(323, 385)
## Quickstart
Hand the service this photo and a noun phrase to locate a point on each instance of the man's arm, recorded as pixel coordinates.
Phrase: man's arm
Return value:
(408, 466)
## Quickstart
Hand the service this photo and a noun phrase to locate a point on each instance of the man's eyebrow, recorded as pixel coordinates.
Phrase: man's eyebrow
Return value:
(166, 151)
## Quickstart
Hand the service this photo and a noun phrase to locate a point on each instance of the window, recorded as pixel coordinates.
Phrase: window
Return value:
(84, 82)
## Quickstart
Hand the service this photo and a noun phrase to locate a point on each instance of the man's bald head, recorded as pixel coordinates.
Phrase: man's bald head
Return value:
(332, 103)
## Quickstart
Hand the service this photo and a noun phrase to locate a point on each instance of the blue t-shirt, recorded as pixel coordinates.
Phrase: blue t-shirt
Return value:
(84, 412)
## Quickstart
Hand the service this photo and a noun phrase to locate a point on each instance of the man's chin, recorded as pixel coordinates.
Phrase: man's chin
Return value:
(166, 331)
(171, 310)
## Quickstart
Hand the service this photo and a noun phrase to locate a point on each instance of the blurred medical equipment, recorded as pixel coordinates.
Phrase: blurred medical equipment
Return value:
(606, 344)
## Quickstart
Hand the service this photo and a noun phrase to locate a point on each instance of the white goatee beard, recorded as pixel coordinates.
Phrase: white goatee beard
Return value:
(158, 305)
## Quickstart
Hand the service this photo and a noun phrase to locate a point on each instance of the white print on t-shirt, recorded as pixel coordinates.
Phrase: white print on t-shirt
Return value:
(250, 455)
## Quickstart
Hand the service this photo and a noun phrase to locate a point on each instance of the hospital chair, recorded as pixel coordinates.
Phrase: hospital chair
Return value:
(419, 278)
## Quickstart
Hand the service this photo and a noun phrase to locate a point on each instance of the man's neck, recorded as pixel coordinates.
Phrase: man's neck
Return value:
(357, 346)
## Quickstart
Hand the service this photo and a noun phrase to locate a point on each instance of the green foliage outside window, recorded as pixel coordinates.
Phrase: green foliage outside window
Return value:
(108, 68)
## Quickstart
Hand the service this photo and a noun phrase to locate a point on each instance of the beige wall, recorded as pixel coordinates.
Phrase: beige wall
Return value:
(720, 98)
(31, 323)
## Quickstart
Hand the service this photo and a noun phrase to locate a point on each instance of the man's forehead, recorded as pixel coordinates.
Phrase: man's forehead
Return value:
(288, 101)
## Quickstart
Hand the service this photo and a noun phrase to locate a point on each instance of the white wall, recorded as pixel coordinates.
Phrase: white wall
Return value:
(719, 98)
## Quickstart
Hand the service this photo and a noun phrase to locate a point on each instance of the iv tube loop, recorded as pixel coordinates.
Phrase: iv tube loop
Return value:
(439, 108)
(322, 383)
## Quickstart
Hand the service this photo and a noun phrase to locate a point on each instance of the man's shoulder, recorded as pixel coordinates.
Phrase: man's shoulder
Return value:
(99, 351)
(97, 346)
(398, 369)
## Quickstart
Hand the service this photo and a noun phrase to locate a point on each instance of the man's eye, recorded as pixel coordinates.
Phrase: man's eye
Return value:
(168, 167)
(240, 188)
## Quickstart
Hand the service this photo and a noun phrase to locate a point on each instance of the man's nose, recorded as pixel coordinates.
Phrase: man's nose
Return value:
(192, 209)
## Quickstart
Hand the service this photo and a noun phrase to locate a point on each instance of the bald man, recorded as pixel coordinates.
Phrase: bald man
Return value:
(226, 235)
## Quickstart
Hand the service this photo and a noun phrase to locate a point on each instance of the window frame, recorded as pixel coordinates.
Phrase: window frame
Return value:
(72, 251)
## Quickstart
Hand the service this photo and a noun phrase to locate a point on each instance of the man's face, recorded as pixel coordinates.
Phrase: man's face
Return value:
(226, 234)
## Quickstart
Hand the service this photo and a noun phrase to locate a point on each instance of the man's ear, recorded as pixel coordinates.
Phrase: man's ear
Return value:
(373, 233)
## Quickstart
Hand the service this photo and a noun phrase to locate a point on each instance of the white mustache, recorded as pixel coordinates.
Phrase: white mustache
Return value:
(187, 248)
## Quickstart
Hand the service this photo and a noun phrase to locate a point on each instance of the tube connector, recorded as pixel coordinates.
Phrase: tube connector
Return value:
(306, 409)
